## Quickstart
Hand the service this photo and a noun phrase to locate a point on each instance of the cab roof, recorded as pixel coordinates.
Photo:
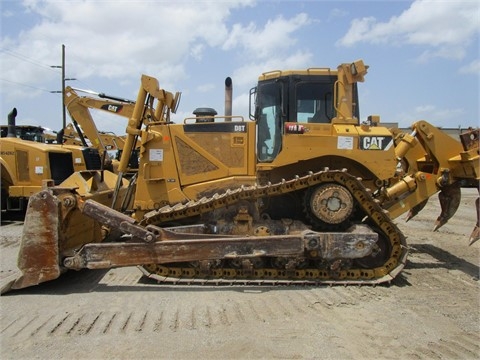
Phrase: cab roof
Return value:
(275, 74)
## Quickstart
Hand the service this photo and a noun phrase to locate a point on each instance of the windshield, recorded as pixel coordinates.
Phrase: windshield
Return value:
(31, 134)
(269, 115)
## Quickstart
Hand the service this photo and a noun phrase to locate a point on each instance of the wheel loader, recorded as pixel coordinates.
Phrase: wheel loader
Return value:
(302, 192)
(26, 162)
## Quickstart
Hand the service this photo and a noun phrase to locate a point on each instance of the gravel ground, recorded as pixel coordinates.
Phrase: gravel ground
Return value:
(431, 311)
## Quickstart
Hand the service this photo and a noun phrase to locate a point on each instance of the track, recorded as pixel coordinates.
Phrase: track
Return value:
(321, 272)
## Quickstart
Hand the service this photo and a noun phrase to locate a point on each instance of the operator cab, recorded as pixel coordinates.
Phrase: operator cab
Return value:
(26, 132)
(305, 96)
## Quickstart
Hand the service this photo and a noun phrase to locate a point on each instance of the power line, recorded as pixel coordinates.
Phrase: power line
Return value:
(34, 62)
(27, 59)
(25, 85)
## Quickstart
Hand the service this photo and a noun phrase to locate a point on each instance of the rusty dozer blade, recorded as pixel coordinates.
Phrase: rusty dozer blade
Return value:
(476, 230)
(38, 258)
(449, 197)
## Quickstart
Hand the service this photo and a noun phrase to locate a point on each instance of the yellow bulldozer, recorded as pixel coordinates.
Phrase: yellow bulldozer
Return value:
(303, 192)
(27, 162)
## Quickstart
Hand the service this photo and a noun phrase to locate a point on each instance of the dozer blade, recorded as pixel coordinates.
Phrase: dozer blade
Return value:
(38, 258)
(449, 197)
(54, 226)
(416, 209)
(476, 230)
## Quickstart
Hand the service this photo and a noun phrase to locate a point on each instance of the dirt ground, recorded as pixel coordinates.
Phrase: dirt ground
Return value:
(431, 311)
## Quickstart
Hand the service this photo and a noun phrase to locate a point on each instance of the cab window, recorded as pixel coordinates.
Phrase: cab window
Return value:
(314, 102)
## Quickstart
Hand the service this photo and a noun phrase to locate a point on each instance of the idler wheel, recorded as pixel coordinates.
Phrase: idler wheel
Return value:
(331, 203)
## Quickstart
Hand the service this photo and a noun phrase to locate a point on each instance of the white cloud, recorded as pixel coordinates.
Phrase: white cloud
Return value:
(472, 68)
(336, 13)
(115, 39)
(240, 105)
(455, 52)
(446, 26)
(422, 109)
(444, 117)
(205, 87)
(197, 51)
(121, 40)
(273, 39)
(249, 72)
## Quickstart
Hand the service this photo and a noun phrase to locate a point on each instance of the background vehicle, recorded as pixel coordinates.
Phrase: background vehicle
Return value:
(304, 193)
(84, 128)
(26, 162)
(25, 132)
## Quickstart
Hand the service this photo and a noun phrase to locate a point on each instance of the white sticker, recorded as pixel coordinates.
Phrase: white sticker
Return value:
(78, 160)
(345, 142)
(156, 155)
(39, 170)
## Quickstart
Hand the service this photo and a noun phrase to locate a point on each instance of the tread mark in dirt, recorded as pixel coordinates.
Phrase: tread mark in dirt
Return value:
(295, 303)
(174, 325)
(266, 308)
(107, 327)
(307, 298)
(142, 322)
(254, 312)
(283, 309)
(60, 323)
(193, 319)
(463, 346)
(34, 332)
(9, 325)
(125, 324)
(222, 313)
(92, 324)
(238, 312)
(6, 243)
(458, 348)
(157, 326)
(69, 331)
(208, 321)
(471, 342)
(26, 325)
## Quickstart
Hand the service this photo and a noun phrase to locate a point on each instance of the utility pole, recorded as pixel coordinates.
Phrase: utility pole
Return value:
(64, 123)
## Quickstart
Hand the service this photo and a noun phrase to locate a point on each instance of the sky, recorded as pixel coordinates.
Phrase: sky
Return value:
(423, 55)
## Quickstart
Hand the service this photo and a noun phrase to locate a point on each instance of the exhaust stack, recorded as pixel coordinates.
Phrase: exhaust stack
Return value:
(11, 123)
(228, 98)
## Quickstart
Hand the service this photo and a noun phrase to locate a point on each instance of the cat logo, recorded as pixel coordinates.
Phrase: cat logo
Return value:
(376, 142)
(112, 108)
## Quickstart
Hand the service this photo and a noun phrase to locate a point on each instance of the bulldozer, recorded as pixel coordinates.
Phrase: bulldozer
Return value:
(301, 192)
(27, 161)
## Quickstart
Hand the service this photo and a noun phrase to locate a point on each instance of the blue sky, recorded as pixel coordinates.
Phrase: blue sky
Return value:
(423, 55)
